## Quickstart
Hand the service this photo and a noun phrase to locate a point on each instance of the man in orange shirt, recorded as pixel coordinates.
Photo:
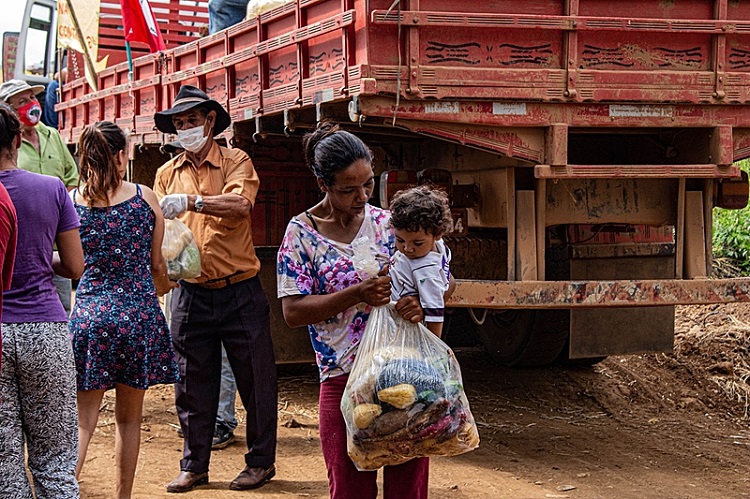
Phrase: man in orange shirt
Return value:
(212, 189)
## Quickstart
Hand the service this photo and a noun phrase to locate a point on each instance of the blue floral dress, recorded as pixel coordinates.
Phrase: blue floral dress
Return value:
(310, 264)
(119, 332)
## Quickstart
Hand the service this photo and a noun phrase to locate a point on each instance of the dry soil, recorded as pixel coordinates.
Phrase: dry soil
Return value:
(643, 426)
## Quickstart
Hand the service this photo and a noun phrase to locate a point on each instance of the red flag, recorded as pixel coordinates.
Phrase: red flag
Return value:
(140, 24)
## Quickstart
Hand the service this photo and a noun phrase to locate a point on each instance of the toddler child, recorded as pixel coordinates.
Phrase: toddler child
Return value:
(420, 217)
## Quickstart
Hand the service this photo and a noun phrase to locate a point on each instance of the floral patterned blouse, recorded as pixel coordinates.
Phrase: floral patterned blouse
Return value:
(309, 263)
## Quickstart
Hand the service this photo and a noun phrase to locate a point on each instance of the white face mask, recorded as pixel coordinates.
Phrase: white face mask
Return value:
(192, 139)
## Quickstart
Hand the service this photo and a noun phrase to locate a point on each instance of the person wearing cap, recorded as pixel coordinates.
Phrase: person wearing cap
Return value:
(42, 151)
(211, 189)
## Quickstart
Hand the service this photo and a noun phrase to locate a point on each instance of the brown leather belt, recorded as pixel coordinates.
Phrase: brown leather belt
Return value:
(223, 282)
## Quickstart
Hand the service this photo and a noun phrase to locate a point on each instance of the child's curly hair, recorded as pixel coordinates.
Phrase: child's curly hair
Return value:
(421, 208)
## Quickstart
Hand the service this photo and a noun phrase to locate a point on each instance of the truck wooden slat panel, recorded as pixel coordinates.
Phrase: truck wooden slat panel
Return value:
(620, 23)
(635, 171)
(536, 114)
(596, 294)
(308, 52)
(179, 23)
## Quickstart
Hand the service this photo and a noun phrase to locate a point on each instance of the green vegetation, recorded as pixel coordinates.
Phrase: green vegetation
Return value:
(731, 237)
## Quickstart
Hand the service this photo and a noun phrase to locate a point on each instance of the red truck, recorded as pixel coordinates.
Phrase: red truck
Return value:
(583, 143)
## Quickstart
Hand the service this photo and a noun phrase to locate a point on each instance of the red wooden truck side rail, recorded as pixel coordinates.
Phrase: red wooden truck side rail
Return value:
(518, 64)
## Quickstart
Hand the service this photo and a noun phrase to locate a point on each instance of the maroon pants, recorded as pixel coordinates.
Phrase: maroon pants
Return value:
(409, 480)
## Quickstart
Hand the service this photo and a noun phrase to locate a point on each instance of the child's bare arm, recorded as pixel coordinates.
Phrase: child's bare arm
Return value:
(435, 327)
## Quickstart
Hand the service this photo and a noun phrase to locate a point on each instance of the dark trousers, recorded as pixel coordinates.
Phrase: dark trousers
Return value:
(237, 317)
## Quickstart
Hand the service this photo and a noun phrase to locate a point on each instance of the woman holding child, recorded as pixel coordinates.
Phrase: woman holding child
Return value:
(319, 287)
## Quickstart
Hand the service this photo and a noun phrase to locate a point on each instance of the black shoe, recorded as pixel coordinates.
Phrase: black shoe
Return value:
(222, 438)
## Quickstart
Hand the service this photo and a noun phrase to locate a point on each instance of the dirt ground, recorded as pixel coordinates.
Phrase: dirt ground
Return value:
(645, 426)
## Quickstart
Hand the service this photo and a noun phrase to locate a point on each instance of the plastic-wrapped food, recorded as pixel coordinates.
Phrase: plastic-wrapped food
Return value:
(405, 397)
(258, 7)
(180, 251)
(364, 258)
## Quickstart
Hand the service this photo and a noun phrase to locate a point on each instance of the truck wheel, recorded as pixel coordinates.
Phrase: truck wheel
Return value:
(459, 330)
(525, 338)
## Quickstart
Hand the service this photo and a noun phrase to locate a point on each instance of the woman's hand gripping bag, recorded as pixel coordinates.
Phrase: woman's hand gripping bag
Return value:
(404, 398)
(180, 251)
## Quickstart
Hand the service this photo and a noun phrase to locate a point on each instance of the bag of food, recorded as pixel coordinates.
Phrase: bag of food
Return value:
(257, 7)
(180, 251)
(404, 398)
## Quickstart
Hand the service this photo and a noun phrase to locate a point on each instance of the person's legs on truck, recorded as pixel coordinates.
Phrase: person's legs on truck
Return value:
(225, 13)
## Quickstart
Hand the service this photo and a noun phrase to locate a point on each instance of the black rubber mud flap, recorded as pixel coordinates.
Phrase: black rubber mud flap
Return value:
(564, 358)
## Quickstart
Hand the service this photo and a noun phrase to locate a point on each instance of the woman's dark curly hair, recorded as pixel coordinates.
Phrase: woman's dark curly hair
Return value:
(421, 208)
(10, 126)
(329, 150)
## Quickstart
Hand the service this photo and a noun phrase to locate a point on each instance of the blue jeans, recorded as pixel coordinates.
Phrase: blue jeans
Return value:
(225, 13)
(227, 395)
(64, 291)
(49, 115)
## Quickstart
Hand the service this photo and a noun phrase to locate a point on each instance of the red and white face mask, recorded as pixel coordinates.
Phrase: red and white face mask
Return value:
(30, 113)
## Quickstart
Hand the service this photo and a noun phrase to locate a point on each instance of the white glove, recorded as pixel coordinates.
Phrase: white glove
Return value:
(173, 205)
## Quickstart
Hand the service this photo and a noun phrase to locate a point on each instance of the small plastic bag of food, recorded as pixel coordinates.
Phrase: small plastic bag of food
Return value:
(404, 398)
(365, 258)
(180, 251)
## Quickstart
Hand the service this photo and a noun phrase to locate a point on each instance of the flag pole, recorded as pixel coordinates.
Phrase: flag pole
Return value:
(130, 62)
(87, 57)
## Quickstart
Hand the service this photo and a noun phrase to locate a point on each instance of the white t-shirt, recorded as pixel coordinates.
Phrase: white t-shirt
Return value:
(428, 277)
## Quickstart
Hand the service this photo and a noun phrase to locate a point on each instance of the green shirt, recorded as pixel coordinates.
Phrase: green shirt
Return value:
(54, 160)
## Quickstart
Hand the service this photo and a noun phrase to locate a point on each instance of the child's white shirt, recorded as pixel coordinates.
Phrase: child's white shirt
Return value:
(428, 277)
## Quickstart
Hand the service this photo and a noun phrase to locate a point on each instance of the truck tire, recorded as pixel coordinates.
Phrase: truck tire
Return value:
(525, 338)
(459, 330)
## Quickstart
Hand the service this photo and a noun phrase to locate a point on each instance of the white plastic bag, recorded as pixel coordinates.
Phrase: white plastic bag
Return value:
(364, 258)
(404, 398)
(258, 7)
(180, 251)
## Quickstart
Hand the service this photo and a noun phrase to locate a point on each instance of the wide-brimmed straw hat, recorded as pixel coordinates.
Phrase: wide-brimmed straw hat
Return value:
(15, 87)
(190, 97)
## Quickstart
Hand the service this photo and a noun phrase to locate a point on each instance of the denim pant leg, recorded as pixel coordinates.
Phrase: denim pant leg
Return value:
(225, 13)
(64, 291)
(227, 395)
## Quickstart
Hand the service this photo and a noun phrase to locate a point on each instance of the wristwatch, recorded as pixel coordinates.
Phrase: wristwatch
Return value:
(199, 205)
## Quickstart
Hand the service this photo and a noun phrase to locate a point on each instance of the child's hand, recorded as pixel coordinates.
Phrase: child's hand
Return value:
(410, 309)
(376, 291)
